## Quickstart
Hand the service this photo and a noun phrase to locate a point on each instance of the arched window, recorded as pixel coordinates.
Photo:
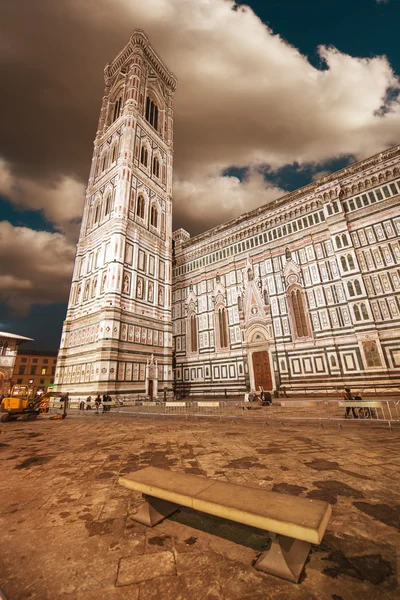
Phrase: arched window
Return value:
(299, 315)
(152, 113)
(344, 263)
(96, 214)
(144, 157)
(350, 261)
(108, 203)
(350, 288)
(156, 167)
(117, 109)
(357, 287)
(372, 354)
(357, 313)
(104, 162)
(114, 153)
(223, 328)
(364, 311)
(333, 361)
(338, 242)
(344, 239)
(140, 207)
(163, 222)
(4, 349)
(193, 333)
(153, 216)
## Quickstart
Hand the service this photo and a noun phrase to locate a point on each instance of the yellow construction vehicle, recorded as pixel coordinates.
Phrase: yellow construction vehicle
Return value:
(20, 403)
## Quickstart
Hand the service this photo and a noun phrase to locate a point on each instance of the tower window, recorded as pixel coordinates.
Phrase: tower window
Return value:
(104, 162)
(156, 167)
(140, 207)
(153, 216)
(114, 154)
(107, 209)
(117, 109)
(151, 113)
(144, 156)
(96, 214)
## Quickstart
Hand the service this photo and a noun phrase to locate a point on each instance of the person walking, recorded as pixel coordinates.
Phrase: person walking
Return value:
(97, 403)
(347, 397)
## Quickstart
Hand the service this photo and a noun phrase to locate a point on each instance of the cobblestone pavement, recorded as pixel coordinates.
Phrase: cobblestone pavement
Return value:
(67, 531)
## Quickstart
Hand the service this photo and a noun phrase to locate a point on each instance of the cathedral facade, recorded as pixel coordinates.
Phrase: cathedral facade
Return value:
(299, 294)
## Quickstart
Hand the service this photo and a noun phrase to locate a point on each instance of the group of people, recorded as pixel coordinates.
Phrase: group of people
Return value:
(97, 403)
(365, 413)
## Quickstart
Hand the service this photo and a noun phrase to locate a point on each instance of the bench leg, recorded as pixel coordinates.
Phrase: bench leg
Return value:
(154, 511)
(285, 558)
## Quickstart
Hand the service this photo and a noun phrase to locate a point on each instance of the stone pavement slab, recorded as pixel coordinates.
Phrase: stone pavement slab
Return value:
(67, 531)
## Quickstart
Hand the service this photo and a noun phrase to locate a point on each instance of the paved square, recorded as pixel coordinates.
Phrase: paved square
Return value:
(67, 530)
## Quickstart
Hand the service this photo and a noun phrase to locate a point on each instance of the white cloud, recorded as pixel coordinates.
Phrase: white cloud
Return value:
(36, 267)
(195, 200)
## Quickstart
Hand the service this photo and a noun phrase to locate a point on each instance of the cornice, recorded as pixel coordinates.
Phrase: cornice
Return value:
(312, 192)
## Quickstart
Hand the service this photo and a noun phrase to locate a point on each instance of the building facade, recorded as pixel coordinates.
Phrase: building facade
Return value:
(9, 343)
(117, 335)
(35, 368)
(301, 293)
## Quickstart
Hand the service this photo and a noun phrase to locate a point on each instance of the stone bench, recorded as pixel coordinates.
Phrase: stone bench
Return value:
(292, 523)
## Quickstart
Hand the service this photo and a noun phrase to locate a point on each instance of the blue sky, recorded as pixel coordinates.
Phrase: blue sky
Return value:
(40, 181)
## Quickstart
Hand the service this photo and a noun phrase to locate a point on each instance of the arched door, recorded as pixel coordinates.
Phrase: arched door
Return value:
(262, 370)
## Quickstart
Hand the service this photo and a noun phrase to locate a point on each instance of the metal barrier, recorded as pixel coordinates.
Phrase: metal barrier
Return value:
(320, 411)
(216, 408)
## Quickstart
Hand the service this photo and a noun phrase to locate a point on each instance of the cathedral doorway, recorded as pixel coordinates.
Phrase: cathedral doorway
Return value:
(151, 389)
(262, 371)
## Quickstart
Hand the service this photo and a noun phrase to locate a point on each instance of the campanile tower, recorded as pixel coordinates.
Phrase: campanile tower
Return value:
(117, 335)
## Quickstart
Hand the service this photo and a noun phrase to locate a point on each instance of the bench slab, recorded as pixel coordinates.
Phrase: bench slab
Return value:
(300, 518)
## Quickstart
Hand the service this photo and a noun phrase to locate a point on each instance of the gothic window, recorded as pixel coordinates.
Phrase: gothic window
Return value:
(114, 154)
(364, 311)
(163, 222)
(357, 313)
(156, 167)
(223, 328)
(153, 216)
(350, 261)
(117, 109)
(193, 333)
(108, 203)
(372, 354)
(357, 287)
(344, 263)
(299, 315)
(96, 214)
(333, 361)
(344, 240)
(350, 288)
(151, 113)
(104, 162)
(140, 207)
(4, 349)
(338, 242)
(144, 156)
